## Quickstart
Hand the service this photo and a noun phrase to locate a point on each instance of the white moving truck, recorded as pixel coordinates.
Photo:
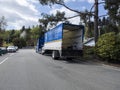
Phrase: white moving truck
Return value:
(65, 40)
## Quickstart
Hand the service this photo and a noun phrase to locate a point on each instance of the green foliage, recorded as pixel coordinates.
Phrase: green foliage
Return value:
(3, 35)
(16, 42)
(3, 23)
(51, 20)
(20, 42)
(110, 28)
(113, 7)
(1, 41)
(89, 32)
(108, 46)
(23, 28)
(88, 50)
(35, 33)
(7, 44)
(50, 2)
(88, 53)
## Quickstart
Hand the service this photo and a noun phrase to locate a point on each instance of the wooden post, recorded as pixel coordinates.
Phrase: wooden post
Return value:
(96, 21)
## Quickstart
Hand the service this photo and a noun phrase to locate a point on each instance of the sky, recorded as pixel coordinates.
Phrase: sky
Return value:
(26, 13)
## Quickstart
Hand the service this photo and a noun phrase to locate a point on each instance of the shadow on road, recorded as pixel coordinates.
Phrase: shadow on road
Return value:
(75, 61)
(79, 61)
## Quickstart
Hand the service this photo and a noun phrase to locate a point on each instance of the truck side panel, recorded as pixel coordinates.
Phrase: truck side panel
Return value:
(53, 39)
(67, 39)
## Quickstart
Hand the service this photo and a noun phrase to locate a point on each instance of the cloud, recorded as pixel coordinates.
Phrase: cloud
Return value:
(68, 13)
(19, 13)
(27, 12)
(76, 0)
(70, 0)
(89, 1)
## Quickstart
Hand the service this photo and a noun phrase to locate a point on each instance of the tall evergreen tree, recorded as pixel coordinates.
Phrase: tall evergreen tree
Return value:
(113, 7)
(3, 23)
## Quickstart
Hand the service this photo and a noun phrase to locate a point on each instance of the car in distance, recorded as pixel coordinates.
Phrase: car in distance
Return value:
(11, 49)
(0, 52)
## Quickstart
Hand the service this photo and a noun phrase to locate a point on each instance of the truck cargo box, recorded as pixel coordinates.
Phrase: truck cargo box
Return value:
(65, 39)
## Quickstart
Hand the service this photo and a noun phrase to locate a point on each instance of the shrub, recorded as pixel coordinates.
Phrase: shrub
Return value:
(88, 50)
(108, 46)
(1, 41)
(20, 42)
(88, 53)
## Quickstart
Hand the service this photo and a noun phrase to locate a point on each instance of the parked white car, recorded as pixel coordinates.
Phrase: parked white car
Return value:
(11, 49)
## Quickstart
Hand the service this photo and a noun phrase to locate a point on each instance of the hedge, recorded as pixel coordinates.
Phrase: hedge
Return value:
(108, 46)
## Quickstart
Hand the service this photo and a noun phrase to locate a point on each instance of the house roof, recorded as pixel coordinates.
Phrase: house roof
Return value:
(89, 42)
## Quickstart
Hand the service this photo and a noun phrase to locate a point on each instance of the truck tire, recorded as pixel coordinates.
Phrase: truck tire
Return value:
(55, 55)
(69, 58)
(42, 52)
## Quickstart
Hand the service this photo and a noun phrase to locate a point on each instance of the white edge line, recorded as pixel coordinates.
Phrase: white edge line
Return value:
(4, 60)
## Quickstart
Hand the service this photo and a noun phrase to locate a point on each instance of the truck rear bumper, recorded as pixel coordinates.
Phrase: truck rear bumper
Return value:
(72, 53)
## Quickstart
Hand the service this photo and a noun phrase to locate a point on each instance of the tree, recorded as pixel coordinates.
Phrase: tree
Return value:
(5, 36)
(3, 23)
(1, 41)
(59, 2)
(113, 20)
(20, 42)
(88, 24)
(23, 28)
(28, 34)
(51, 20)
(109, 47)
(11, 35)
(17, 33)
(16, 42)
(95, 13)
(113, 7)
(35, 33)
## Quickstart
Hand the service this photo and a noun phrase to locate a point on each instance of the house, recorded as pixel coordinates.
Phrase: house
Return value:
(89, 42)
(23, 34)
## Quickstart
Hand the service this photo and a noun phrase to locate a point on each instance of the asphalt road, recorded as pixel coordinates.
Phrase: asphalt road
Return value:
(27, 70)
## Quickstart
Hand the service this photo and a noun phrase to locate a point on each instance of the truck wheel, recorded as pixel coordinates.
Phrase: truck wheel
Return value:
(42, 52)
(69, 58)
(55, 55)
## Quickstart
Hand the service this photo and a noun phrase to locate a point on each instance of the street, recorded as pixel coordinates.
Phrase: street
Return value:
(27, 70)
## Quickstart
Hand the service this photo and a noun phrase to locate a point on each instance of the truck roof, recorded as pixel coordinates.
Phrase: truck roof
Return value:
(72, 26)
(68, 26)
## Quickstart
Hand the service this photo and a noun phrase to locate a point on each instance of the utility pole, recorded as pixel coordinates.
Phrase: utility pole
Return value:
(96, 21)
